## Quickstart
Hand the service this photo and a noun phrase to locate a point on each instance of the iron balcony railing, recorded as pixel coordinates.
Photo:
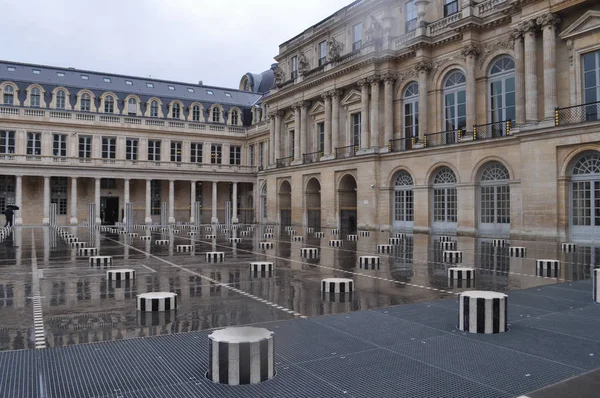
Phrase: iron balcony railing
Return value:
(402, 144)
(442, 138)
(346, 151)
(312, 157)
(285, 162)
(492, 130)
(577, 114)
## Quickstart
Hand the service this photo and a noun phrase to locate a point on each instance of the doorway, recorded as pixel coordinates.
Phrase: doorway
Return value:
(347, 201)
(109, 210)
(313, 204)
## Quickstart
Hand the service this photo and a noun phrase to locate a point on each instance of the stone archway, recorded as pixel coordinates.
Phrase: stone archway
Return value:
(285, 204)
(313, 204)
(347, 204)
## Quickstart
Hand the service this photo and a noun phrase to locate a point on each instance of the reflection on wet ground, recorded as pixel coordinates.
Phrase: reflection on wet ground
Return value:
(79, 305)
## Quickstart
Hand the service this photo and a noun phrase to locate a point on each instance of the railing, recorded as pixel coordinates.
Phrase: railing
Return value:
(312, 157)
(399, 41)
(450, 8)
(442, 138)
(346, 151)
(492, 130)
(577, 114)
(487, 7)
(441, 26)
(402, 144)
(411, 25)
(285, 162)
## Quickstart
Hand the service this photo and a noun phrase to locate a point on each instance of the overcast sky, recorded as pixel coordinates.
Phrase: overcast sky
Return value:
(215, 41)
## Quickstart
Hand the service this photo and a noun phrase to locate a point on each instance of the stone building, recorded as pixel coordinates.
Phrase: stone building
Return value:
(462, 117)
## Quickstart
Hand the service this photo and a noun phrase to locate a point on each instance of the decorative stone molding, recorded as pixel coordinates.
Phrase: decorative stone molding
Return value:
(410, 74)
(423, 66)
(471, 50)
(375, 31)
(325, 95)
(362, 82)
(548, 20)
(375, 79)
(516, 34)
(571, 53)
(389, 77)
(438, 64)
(491, 47)
(335, 49)
(279, 75)
(303, 64)
(335, 93)
(529, 26)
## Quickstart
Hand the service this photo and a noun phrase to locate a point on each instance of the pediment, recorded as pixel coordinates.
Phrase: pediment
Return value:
(588, 22)
(352, 97)
(317, 108)
(289, 118)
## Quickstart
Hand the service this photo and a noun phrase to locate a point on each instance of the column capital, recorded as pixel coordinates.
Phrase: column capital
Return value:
(528, 26)
(548, 20)
(296, 106)
(471, 50)
(374, 80)
(326, 96)
(389, 77)
(423, 66)
(336, 93)
(362, 83)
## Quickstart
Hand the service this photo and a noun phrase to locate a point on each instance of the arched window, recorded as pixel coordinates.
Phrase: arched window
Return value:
(35, 97)
(403, 201)
(263, 199)
(455, 101)
(444, 200)
(502, 90)
(234, 118)
(60, 99)
(132, 106)
(196, 113)
(494, 199)
(9, 95)
(86, 102)
(585, 197)
(109, 104)
(175, 110)
(411, 111)
(216, 115)
(154, 109)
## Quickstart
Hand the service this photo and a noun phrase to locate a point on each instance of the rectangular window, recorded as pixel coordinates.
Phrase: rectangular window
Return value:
(411, 16)
(292, 153)
(235, 155)
(357, 36)
(7, 142)
(591, 85)
(450, 7)
(251, 155)
(34, 144)
(196, 152)
(109, 148)
(85, 147)
(107, 80)
(131, 149)
(154, 150)
(322, 53)
(59, 144)
(176, 151)
(85, 77)
(60, 74)
(85, 103)
(58, 194)
(129, 82)
(294, 67)
(321, 137)
(356, 128)
(150, 85)
(36, 71)
(215, 153)
(155, 189)
(261, 154)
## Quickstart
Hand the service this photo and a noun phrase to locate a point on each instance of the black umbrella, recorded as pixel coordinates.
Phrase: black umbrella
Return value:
(12, 207)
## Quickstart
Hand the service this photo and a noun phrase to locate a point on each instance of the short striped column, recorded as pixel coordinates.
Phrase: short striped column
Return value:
(400, 235)
(133, 234)
(269, 230)
(461, 273)
(568, 247)
(184, 248)
(335, 232)
(241, 355)
(298, 238)
(224, 231)
(88, 251)
(268, 235)
(122, 232)
(176, 231)
(245, 233)
(208, 229)
(156, 301)
(215, 257)
(445, 238)
(266, 245)
(336, 243)
(364, 234)
(499, 242)
(596, 285)
(385, 248)
(515, 251)
(319, 234)
(78, 245)
(261, 268)
(162, 242)
(101, 261)
(145, 237)
(309, 230)
(451, 245)
(548, 268)
(309, 252)
(483, 312)
(368, 260)
(291, 232)
(210, 236)
(191, 233)
(352, 237)
(394, 241)
(289, 228)
(337, 285)
(235, 240)
(120, 274)
(72, 240)
(452, 256)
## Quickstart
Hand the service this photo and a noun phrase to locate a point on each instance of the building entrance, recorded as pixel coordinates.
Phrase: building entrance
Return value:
(109, 210)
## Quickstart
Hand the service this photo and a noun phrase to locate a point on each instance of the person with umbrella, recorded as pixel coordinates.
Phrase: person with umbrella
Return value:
(9, 213)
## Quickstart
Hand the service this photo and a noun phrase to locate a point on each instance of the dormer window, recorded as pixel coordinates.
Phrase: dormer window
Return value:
(294, 67)
(216, 115)
(107, 80)
(85, 77)
(60, 74)
(176, 111)
(85, 102)
(36, 71)
(109, 104)
(172, 88)
(150, 85)
(234, 118)
(209, 92)
(9, 94)
(129, 82)
(190, 90)
(132, 106)
(11, 68)
(35, 99)
(60, 99)
(228, 95)
(196, 113)
(154, 109)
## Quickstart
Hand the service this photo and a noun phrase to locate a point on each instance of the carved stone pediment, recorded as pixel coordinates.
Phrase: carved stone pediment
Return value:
(352, 97)
(289, 118)
(587, 23)
(317, 108)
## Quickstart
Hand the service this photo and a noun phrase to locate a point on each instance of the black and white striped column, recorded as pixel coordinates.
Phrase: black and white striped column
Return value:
(336, 243)
(319, 234)
(483, 312)
(452, 256)
(335, 232)
(400, 235)
(266, 245)
(101, 261)
(309, 230)
(78, 245)
(215, 257)
(364, 234)
(309, 252)
(445, 238)
(568, 247)
(235, 240)
(515, 251)
(499, 242)
(261, 269)
(210, 236)
(451, 245)
(88, 251)
(548, 268)
(156, 301)
(162, 242)
(146, 237)
(241, 355)
(461, 273)
(245, 233)
(298, 238)
(596, 285)
(268, 235)
(352, 237)
(368, 260)
(184, 248)
(385, 248)
(291, 232)
(394, 241)
(337, 285)
(120, 274)
(192, 233)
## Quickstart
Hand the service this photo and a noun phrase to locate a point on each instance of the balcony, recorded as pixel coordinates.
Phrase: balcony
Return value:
(346, 151)
(589, 112)
(312, 157)
(402, 144)
(442, 138)
(492, 130)
(284, 162)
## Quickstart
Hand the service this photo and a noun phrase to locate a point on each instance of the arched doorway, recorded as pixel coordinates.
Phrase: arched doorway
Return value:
(263, 203)
(444, 201)
(494, 200)
(285, 204)
(313, 204)
(403, 202)
(347, 203)
(585, 198)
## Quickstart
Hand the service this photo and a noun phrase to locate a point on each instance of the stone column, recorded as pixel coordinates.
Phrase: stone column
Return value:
(214, 219)
(234, 217)
(148, 219)
(335, 118)
(364, 114)
(531, 108)
(192, 200)
(98, 220)
(548, 23)
(423, 68)
(470, 52)
(277, 149)
(126, 197)
(388, 107)
(517, 37)
(46, 219)
(171, 202)
(272, 140)
(19, 199)
(297, 135)
(374, 117)
(303, 133)
(327, 99)
(73, 220)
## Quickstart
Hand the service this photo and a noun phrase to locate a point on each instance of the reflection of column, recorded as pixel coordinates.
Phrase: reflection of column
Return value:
(148, 219)
(470, 52)
(214, 219)
(531, 108)
(364, 114)
(192, 200)
(548, 23)
(98, 221)
(388, 107)
(126, 197)
(327, 101)
(517, 36)
(46, 219)
(303, 133)
(374, 139)
(297, 136)
(234, 217)
(19, 199)
(423, 68)
(335, 118)
(171, 202)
